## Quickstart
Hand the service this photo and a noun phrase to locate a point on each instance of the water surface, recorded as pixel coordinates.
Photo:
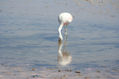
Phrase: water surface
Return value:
(29, 37)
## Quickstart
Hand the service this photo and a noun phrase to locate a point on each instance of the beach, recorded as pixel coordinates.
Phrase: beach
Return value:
(53, 73)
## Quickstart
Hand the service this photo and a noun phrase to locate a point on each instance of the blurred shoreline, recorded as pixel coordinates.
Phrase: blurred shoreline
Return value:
(17, 72)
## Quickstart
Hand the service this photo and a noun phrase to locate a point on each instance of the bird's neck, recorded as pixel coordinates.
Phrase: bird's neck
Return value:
(59, 30)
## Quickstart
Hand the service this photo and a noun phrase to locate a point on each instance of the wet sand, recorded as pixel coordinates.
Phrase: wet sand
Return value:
(7, 72)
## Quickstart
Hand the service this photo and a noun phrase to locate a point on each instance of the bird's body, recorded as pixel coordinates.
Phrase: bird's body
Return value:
(64, 19)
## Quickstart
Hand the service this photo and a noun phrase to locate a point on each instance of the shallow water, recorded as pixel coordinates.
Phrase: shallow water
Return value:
(29, 37)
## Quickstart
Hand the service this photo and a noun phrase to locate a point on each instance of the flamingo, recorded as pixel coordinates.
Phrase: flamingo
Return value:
(64, 19)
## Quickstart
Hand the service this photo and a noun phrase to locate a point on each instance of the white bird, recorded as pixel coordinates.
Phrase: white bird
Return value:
(64, 19)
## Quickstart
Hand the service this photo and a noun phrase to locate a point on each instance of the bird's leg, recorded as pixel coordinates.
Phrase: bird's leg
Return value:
(65, 38)
(65, 31)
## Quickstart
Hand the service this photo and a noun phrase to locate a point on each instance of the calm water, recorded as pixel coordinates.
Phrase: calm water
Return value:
(29, 37)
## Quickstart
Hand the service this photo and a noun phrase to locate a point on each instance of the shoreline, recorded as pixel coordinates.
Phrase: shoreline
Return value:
(7, 72)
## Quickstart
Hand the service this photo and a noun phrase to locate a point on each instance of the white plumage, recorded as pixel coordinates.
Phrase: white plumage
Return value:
(64, 19)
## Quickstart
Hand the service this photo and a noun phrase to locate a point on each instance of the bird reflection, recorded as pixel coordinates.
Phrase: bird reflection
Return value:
(64, 57)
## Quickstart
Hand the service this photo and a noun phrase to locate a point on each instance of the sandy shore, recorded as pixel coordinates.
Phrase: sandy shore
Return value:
(7, 72)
